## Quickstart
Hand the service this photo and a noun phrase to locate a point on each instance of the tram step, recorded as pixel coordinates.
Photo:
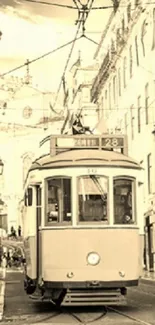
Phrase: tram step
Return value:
(85, 297)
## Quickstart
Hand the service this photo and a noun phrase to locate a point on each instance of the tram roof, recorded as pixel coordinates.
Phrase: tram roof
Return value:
(76, 158)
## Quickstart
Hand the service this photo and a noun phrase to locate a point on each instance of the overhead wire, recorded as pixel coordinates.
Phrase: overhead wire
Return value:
(51, 4)
(76, 4)
(81, 21)
(38, 58)
(71, 7)
(67, 62)
(58, 48)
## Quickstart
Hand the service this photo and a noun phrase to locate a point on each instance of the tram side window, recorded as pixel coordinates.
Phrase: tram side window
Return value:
(124, 192)
(92, 198)
(58, 206)
(28, 197)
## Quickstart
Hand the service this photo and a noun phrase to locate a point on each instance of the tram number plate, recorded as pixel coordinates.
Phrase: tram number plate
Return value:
(92, 171)
(112, 142)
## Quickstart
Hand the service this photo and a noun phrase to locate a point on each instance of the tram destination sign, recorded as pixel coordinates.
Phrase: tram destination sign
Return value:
(100, 142)
(86, 142)
(60, 143)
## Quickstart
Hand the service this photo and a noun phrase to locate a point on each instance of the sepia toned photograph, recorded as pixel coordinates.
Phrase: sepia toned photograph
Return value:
(77, 162)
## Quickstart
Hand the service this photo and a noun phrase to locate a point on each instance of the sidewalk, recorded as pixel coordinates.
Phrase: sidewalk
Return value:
(2, 290)
(148, 278)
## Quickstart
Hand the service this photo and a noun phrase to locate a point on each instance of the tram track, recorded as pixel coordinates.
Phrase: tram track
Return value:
(30, 312)
(132, 318)
(103, 314)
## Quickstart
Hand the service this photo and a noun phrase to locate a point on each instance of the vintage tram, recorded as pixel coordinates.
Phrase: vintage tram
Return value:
(83, 221)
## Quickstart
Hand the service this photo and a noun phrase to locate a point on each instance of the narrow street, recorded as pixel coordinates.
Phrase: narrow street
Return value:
(20, 309)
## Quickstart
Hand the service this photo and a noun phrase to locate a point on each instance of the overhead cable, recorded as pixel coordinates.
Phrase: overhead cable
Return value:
(67, 62)
(90, 39)
(39, 57)
(51, 4)
(76, 7)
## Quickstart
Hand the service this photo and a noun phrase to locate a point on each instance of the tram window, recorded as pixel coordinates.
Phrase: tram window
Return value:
(92, 198)
(25, 199)
(123, 201)
(28, 197)
(58, 207)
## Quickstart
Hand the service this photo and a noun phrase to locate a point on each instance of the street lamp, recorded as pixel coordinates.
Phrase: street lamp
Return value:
(1, 167)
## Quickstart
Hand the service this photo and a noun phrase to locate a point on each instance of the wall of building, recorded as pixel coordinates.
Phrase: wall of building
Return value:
(124, 87)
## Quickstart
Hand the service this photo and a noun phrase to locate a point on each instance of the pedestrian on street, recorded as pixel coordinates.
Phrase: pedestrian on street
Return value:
(1, 256)
(4, 259)
(8, 259)
(12, 230)
(19, 231)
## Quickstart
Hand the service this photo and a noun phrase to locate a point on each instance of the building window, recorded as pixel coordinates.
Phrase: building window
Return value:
(143, 33)
(146, 103)
(124, 71)
(110, 96)
(126, 123)
(139, 114)
(118, 37)
(129, 12)
(132, 121)
(106, 96)
(119, 81)
(130, 55)
(114, 89)
(102, 104)
(123, 26)
(153, 41)
(149, 169)
(136, 47)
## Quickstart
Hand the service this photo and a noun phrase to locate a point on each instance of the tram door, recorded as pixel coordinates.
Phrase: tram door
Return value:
(38, 224)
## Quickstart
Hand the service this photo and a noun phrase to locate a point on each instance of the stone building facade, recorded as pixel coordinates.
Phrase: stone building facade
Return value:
(124, 90)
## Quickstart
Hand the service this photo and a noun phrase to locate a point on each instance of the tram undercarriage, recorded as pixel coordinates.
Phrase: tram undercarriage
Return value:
(80, 294)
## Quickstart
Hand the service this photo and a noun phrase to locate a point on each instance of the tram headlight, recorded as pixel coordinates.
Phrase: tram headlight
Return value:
(93, 258)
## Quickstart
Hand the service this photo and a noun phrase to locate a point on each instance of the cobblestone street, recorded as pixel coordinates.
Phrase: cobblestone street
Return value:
(20, 309)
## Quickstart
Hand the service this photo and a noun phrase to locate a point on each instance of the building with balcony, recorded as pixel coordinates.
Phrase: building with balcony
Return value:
(124, 90)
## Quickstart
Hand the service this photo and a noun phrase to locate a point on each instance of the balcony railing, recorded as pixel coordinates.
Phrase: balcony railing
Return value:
(111, 57)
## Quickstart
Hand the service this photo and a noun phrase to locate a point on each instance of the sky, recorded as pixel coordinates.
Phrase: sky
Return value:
(32, 29)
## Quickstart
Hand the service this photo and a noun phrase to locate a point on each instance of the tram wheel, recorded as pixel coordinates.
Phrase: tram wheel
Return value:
(29, 287)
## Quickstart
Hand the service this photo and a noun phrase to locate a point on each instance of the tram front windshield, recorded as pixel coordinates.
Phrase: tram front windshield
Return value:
(92, 198)
(93, 203)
